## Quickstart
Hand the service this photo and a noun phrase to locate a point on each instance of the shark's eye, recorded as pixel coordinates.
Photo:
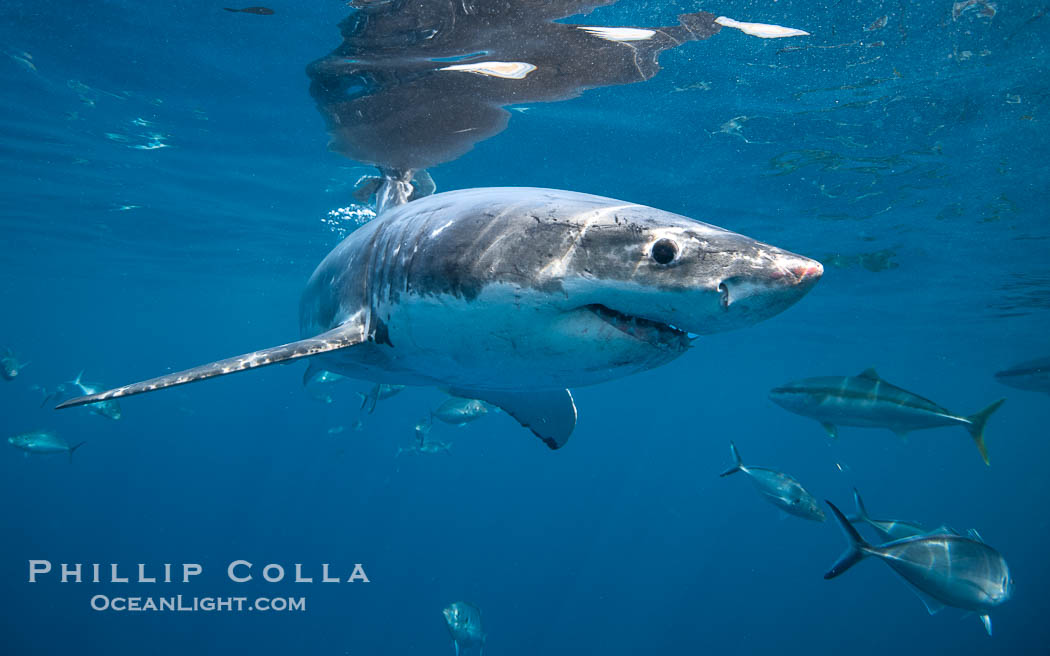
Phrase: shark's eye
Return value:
(664, 251)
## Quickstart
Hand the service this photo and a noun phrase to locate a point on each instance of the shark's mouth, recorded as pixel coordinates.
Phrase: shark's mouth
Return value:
(661, 335)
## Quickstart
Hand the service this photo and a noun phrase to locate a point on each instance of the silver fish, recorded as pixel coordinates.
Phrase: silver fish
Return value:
(464, 623)
(10, 366)
(107, 408)
(946, 569)
(868, 401)
(459, 411)
(888, 529)
(317, 381)
(44, 443)
(379, 392)
(424, 446)
(1032, 376)
(779, 489)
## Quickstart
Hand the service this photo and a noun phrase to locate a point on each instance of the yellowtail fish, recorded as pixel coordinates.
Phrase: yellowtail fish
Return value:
(43, 442)
(868, 401)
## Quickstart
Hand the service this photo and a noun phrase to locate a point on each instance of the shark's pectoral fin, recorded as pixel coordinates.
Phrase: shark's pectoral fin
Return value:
(349, 334)
(550, 414)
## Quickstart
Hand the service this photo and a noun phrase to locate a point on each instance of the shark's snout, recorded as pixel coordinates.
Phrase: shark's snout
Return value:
(810, 271)
(796, 269)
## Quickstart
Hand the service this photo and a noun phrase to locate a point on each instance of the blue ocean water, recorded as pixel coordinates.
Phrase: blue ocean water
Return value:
(167, 191)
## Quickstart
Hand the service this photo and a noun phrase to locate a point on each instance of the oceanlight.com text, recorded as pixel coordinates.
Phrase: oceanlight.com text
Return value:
(181, 603)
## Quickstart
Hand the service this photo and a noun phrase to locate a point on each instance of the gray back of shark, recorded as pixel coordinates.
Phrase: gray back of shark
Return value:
(945, 568)
(464, 624)
(512, 295)
(868, 401)
(1033, 376)
(778, 488)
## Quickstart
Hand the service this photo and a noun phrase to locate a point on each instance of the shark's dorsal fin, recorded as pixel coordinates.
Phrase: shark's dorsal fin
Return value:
(549, 414)
(870, 374)
(348, 334)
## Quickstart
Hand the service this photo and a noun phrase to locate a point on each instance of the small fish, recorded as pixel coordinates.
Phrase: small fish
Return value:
(1032, 376)
(779, 489)
(944, 569)
(888, 529)
(43, 391)
(25, 60)
(378, 393)
(423, 427)
(260, 11)
(464, 623)
(335, 430)
(422, 445)
(317, 381)
(460, 412)
(426, 448)
(877, 24)
(43, 443)
(109, 409)
(868, 401)
(10, 365)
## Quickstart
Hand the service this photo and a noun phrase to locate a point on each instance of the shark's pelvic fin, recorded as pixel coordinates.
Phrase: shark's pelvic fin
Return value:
(549, 414)
(349, 334)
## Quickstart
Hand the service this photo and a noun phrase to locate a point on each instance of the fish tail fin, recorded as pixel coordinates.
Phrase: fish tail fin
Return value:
(74, 448)
(862, 512)
(856, 550)
(976, 427)
(738, 464)
(233, 10)
(76, 381)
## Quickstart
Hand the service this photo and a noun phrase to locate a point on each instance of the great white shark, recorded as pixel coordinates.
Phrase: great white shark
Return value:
(513, 295)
